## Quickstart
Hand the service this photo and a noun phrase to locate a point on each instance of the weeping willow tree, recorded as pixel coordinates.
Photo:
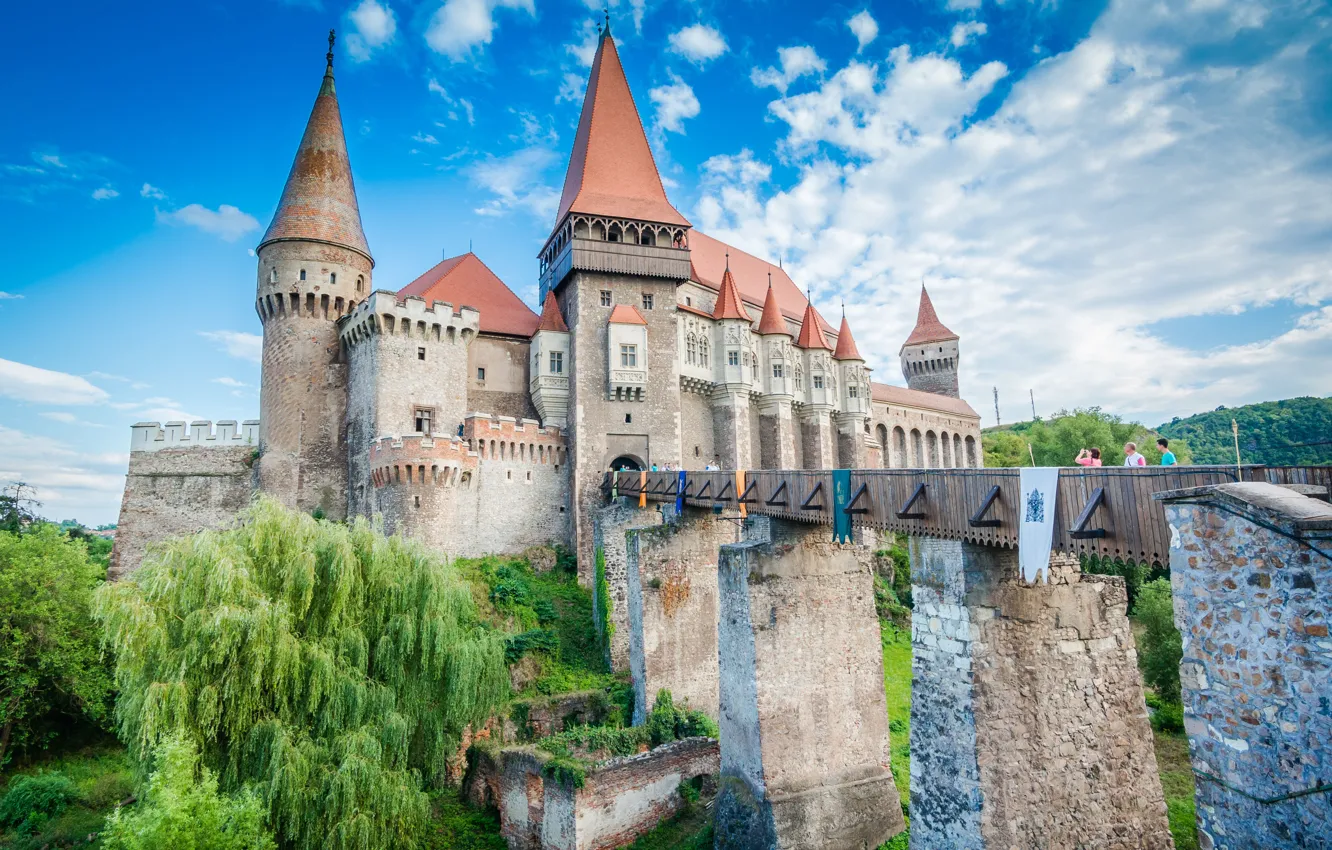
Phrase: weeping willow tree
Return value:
(329, 666)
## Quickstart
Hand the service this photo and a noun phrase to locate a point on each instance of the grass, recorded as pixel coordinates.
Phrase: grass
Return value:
(897, 688)
(102, 775)
(454, 825)
(1172, 760)
(689, 829)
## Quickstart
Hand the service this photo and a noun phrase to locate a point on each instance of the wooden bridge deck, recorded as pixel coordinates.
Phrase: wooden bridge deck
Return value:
(1107, 510)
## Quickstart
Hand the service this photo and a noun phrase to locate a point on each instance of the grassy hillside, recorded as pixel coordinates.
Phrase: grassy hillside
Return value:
(1279, 433)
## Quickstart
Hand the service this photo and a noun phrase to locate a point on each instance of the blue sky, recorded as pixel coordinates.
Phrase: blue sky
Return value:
(1124, 203)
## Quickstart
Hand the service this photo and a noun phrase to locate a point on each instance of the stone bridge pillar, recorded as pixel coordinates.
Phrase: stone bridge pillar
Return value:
(1252, 582)
(609, 524)
(672, 605)
(1028, 726)
(804, 720)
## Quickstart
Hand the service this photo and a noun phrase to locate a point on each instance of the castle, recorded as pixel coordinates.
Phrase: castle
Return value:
(465, 419)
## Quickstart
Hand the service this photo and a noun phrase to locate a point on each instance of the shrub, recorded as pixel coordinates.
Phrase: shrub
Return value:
(603, 600)
(667, 722)
(32, 800)
(1160, 647)
(181, 808)
(1168, 718)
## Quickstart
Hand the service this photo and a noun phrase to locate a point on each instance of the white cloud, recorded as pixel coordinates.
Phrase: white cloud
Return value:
(105, 193)
(70, 419)
(962, 5)
(674, 103)
(796, 62)
(30, 383)
(967, 31)
(517, 181)
(9, 296)
(455, 102)
(69, 483)
(425, 139)
(151, 191)
(459, 27)
(698, 43)
(864, 27)
(230, 382)
(246, 346)
(226, 222)
(375, 26)
(1119, 184)
(572, 88)
(584, 50)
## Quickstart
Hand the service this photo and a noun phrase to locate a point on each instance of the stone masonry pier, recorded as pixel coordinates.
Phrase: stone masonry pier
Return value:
(1251, 569)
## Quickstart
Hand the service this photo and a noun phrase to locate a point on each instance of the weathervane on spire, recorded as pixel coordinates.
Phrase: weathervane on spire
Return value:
(728, 261)
(332, 37)
(606, 11)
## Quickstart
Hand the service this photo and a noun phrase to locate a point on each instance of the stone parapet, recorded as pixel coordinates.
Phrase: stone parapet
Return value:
(1251, 572)
(383, 313)
(421, 460)
(152, 437)
(508, 438)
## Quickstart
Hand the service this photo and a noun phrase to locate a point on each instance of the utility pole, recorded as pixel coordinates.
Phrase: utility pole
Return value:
(1032, 394)
(997, 421)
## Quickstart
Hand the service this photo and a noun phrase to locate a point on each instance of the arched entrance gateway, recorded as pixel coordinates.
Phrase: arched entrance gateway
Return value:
(627, 463)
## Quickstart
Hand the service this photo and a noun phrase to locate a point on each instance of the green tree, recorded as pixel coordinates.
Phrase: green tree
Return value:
(1003, 449)
(1057, 441)
(18, 507)
(1291, 432)
(1161, 646)
(50, 663)
(182, 809)
(331, 667)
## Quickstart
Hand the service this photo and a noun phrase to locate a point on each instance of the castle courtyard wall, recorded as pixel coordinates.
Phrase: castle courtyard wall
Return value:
(504, 390)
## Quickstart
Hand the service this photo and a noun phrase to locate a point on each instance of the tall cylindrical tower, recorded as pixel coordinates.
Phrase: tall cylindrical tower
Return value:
(930, 355)
(314, 267)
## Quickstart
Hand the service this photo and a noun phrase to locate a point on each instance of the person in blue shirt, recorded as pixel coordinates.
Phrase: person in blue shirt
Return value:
(1167, 456)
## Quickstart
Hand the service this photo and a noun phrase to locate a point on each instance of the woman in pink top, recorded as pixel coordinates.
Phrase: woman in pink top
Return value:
(1088, 457)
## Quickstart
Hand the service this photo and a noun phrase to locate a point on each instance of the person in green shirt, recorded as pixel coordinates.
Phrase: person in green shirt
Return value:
(1167, 456)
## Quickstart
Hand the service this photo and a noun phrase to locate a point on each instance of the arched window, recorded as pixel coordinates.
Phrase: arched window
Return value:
(957, 450)
(272, 275)
(947, 449)
(900, 446)
(971, 452)
(882, 433)
(691, 349)
(614, 234)
(599, 231)
(703, 351)
(932, 444)
(917, 450)
(580, 229)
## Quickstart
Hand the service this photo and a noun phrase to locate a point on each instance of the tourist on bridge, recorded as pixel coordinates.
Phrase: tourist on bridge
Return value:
(1167, 456)
(1088, 457)
(1131, 456)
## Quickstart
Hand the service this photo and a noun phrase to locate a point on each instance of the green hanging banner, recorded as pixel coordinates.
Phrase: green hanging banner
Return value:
(841, 497)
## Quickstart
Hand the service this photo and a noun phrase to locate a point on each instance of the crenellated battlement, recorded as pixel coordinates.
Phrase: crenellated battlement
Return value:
(152, 436)
(303, 301)
(421, 459)
(383, 314)
(517, 440)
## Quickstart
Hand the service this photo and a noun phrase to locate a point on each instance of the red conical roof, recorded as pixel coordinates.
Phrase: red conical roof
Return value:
(551, 319)
(846, 346)
(728, 300)
(465, 281)
(319, 201)
(772, 322)
(611, 170)
(928, 327)
(811, 332)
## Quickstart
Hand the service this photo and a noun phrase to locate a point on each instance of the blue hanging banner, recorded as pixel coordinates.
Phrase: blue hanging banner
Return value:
(841, 497)
(679, 494)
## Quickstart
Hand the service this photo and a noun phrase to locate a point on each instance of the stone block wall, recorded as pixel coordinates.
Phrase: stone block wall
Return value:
(1028, 723)
(672, 603)
(181, 482)
(610, 522)
(619, 801)
(1252, 582)
(804, 723)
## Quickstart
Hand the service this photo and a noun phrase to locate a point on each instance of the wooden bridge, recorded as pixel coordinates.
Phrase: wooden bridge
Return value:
(1105, 511)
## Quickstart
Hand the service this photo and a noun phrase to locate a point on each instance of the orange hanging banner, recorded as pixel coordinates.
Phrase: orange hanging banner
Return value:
(740, 491)
(642, 489)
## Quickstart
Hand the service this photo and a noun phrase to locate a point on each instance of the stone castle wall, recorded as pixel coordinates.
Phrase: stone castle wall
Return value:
(932, 367)
(181, 480)
(1252, 582)
(1028, 726)
(504, 391)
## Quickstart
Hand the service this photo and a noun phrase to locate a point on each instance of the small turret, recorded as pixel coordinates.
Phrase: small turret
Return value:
(733, 321)
(549, 382)
(776, 344)
(855, 376)
(930, 354)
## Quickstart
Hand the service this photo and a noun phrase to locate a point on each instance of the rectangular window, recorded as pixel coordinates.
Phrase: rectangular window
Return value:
(818, 382)
(333, 277)
(733, 358)
(557, 363)
(853, 391)
(605, 298)
(480, 373)
(422, 415)
(420, 354)
(777, 370)
(629, 356)
(647, 301)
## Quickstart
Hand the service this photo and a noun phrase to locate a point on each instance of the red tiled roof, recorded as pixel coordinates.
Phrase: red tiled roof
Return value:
(465, 281)
(319, 200)
(772, 322)
(928, 327)
(626, 314)
(890, 394)
(611, 169)
(811, 330)
(708, 257)
(846, 346)
(728, 300)
(551, 318)
(688, 308)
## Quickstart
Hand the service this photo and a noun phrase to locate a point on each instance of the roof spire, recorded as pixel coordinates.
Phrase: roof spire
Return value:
(846, 345)
(729, 305)
(928, 327)
(772, 322)
(728, 261)
(606, 11)
(319, 199)
(811, 332)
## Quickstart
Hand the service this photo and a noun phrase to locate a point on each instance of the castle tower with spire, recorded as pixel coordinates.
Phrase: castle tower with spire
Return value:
(853, 408)
(314, 266)
(614, 259)
(930, 353)
(777, 444)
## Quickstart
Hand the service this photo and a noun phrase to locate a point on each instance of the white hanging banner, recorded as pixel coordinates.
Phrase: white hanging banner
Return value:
(1037, 510)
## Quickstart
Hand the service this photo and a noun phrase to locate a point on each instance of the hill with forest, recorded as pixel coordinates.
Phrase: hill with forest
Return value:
(1290, 432)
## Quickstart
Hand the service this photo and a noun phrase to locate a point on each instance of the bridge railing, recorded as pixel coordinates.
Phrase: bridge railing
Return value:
(1105, 510)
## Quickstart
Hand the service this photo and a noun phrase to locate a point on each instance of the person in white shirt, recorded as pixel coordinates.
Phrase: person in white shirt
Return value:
(1131, 456)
